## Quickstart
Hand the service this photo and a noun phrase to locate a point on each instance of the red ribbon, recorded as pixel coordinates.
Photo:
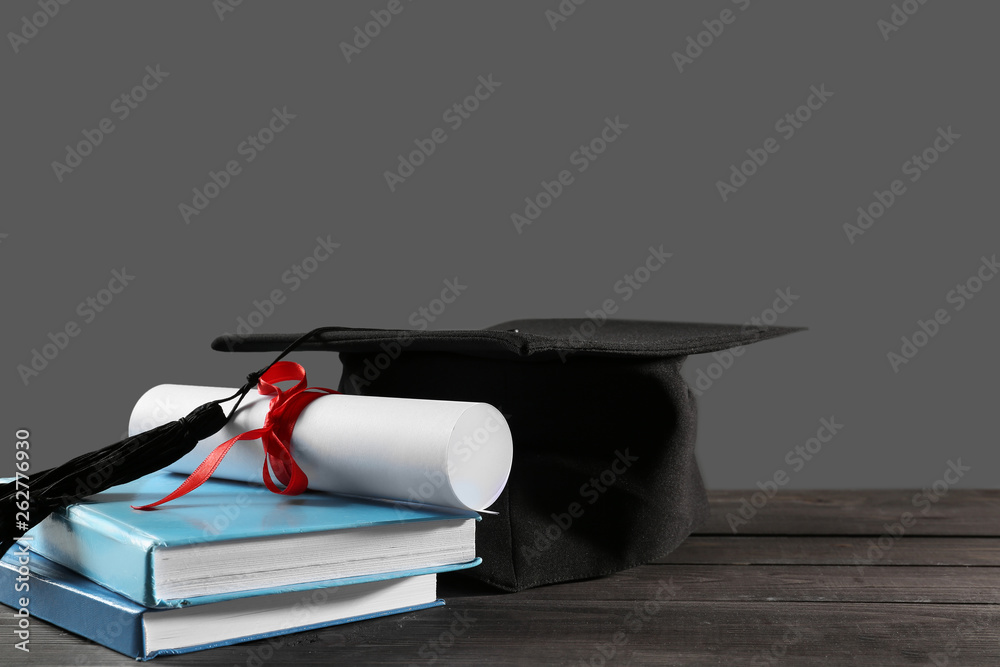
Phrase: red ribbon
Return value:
(275, 435)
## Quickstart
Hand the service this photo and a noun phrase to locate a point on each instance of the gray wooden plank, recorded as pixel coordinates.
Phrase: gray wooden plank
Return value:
(802, 599)
(477, 631)
(959, 512)
(773, 583)
(838, 550)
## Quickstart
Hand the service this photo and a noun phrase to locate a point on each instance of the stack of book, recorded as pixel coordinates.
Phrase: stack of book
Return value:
(229, 562)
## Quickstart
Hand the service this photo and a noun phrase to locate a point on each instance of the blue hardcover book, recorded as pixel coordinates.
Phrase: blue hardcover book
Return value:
(229, 540)
(64, 598)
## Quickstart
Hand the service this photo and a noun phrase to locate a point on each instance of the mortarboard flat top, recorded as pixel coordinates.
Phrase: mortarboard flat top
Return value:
(533, 339)
(604, 475)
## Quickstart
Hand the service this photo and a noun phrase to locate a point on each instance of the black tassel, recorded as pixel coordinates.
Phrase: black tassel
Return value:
(122, 462)
(94, 472)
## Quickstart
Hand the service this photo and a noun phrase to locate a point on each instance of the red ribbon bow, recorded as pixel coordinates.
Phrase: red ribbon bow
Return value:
(275, 435)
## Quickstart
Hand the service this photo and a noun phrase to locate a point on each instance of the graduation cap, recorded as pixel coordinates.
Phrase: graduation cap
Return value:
(604, 476)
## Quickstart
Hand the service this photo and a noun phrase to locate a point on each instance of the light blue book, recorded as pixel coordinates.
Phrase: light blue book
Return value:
(64, 598)
(229, 540)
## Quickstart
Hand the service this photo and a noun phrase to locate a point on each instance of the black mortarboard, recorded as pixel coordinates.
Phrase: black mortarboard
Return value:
(604, 475)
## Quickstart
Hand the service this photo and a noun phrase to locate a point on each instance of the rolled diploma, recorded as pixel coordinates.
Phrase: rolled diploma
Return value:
(447, 453)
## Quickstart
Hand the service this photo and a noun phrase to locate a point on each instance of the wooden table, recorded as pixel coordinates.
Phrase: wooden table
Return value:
(822, 577)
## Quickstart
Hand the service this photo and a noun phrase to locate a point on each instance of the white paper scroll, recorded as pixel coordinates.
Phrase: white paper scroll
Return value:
(447, 453)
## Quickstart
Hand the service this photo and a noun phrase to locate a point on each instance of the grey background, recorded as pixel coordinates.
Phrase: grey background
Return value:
(656, 185)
